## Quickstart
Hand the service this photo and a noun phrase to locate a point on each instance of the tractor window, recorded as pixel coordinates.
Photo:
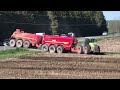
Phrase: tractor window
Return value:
(92, 40)
(87, 41)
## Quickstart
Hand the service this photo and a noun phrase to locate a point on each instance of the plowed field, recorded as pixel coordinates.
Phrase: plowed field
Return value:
(63, 66)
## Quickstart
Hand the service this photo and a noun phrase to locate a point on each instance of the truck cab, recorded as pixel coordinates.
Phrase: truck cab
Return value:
(71, 34)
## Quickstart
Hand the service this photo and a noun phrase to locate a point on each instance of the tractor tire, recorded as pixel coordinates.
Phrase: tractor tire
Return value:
(60, 49)
(80, 49)
(52, 49)
(96, 49)
(12, 43)
(44, 48)
(87, 49)
(19, 43)
(26, 44)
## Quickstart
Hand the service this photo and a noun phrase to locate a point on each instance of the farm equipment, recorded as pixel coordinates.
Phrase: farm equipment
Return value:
(51, 43)
(90, 46)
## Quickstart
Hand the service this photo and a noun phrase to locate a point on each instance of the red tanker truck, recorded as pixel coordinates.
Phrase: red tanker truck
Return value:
(47, 43)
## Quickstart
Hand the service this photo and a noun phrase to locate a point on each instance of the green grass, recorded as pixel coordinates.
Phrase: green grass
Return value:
(13, 52)
(112, 52)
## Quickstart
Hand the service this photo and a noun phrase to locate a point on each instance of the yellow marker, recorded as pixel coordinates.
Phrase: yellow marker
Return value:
(65, 42)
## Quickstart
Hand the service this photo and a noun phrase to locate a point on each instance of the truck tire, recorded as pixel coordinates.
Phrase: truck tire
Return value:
(52, 49)
(60, 49)
(19, 43)
(12, 43)
(96, 49)
(26, 44)
(80, 47)
(44, 48)
(86, 49)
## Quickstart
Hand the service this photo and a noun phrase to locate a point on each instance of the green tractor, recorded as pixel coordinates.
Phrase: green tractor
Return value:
(90, 46)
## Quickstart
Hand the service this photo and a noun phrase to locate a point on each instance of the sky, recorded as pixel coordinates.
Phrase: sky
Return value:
(112, 15)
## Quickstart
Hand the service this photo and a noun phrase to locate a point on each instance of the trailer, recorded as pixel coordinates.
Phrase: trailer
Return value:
(47, 43)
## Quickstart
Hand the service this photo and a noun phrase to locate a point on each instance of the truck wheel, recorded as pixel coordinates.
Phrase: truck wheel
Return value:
(44, 47)
(26, 44)
(52, 49)
(19, 43)
(60, 49)
(80, 49)
(86, 49)
(96, 49)
(12, 43)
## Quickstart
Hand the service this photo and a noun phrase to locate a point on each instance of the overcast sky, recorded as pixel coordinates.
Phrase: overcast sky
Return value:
(111, 15)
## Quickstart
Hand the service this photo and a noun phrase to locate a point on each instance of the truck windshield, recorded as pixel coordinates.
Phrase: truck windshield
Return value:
(71, 34)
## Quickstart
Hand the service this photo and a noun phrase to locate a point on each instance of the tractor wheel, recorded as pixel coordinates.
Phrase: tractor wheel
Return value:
(80, 49)
(26, 44)
(86, 49)
(44, 47)
(96, 49)
(52, 49)
(12, 43)
(60, 49)
(19, 43)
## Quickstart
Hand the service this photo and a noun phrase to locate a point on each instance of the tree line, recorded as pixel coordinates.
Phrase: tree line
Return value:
(82, 23)
(113, 26)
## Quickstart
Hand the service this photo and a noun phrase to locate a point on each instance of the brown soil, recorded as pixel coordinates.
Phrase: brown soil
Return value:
(110, 45)
(61, 66)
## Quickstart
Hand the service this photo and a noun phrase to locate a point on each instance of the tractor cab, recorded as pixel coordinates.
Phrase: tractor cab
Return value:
(89, 40)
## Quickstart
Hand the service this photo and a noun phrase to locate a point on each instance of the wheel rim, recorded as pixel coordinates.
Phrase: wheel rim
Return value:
(26, 45)
(12, 43)
(19, 43)
(44, 48)
(59, 49)
(52, 49)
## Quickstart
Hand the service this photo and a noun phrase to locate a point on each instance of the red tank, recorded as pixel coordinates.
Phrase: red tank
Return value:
(21, 35)
(66, 42)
